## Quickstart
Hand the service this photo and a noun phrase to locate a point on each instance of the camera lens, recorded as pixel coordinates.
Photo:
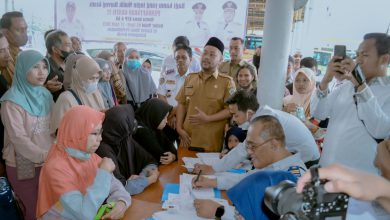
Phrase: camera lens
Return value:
(282, 198)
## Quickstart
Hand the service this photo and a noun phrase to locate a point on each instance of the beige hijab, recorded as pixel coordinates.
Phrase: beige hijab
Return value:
(70, 61)
(302, 99)
(83, 69)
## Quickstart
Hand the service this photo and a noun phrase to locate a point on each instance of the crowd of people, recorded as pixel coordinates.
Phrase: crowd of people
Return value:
(78, 131)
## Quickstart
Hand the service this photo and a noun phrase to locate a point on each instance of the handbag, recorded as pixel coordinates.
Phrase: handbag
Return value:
(11, 207)
(25, 169)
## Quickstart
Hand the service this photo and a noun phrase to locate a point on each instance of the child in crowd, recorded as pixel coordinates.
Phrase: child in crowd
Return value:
(233, 137)
(147, 64)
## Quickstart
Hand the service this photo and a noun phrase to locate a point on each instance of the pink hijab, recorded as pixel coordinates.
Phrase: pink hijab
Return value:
(302, 99)
(62, 173)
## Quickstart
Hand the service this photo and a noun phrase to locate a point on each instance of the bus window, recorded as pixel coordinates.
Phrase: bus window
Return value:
(253, 41)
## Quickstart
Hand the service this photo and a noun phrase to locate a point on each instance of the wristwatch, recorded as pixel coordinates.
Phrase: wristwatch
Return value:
(219, 212)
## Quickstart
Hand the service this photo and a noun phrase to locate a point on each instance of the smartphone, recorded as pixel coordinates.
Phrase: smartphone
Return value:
(358, 74)
(340, 51)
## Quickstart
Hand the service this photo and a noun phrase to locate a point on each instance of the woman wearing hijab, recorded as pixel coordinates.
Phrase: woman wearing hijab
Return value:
(152, 118)
(303, 87)
(69, 64)
(104, 85)
(140, 85)
(134, 166)
(74, 181)
(25, 111)
(117, 78)
(83, 91)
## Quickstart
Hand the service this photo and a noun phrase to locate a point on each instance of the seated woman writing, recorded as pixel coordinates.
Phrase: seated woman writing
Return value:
(74, 181)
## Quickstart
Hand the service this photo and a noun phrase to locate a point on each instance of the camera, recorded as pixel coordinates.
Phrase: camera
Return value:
(313, 204)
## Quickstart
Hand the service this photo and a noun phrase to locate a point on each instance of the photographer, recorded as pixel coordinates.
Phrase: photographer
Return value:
(359, 110)
(359, 185)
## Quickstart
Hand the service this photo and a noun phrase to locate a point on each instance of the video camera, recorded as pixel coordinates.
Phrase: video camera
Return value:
(313, 204)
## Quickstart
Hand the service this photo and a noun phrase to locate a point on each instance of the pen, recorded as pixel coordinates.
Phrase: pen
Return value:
(197, 177)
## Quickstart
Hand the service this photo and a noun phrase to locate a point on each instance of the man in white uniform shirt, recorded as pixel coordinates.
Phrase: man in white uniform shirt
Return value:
(170, 84)
(169, 63)
(359, 112)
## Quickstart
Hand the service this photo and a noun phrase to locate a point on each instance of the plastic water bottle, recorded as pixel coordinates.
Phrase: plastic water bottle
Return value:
(300, 113)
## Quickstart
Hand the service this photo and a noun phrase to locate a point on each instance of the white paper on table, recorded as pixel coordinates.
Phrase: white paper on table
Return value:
(208, 155)
(187, 190)
(191, 161)
(187, 211)
(210, 161)
(173, 200)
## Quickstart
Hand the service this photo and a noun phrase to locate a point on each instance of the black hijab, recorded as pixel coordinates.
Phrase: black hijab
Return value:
(117, 143)
(152, 112)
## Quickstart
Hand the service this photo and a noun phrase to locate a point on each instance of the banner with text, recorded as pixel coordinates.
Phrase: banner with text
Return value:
(152, 21)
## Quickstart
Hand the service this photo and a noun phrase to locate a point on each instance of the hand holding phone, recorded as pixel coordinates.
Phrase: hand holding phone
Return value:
(340, 51)
(358, 74)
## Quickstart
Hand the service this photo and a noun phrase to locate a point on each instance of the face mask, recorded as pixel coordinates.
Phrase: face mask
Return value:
(65, 54)
(244, 126)
(90, 87)
(81, 155)
(133, 64)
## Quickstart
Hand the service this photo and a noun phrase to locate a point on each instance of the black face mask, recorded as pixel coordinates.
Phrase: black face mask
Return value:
(65, 54)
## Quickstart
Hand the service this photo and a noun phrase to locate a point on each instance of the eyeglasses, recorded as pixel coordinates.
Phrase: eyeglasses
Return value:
(252, 147)
(97, 133)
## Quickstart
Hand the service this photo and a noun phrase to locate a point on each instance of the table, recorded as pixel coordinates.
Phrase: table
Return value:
(148, 202)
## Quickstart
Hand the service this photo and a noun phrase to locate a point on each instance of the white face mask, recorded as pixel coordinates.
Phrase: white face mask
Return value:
(90, 87)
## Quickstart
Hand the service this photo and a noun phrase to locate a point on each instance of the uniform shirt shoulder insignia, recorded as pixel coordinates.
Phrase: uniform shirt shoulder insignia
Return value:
(296, 170)
(193, 74)
(223, 75)
(171, 81)
(170, 71)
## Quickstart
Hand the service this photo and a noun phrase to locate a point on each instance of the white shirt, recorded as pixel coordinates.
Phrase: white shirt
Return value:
(292, 164)
(348, 141)
(169, 64)
(298, 140)
(363, 210)
(170, 85)
(298, 137)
